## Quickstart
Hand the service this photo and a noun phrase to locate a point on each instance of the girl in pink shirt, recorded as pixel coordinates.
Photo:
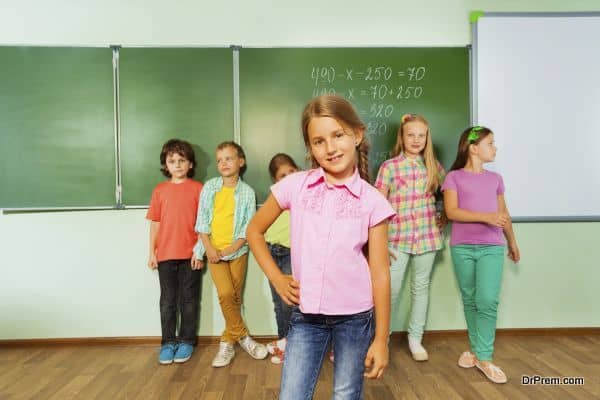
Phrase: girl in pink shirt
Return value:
(339, 292)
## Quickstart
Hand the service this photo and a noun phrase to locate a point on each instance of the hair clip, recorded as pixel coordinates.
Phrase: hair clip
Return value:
(406, 117)
(473, 135)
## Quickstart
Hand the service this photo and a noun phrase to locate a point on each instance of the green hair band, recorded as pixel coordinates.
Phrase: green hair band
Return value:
(473, 135)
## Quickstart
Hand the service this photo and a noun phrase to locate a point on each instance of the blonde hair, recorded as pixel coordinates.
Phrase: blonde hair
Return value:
(341, 110)
(431, 163)
(238, 149)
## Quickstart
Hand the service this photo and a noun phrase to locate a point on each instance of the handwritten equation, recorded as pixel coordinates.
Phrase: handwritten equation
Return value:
(377, 91)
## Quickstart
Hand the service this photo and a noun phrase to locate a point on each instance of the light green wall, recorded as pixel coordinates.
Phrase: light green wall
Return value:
(83, 274)
(255, 23)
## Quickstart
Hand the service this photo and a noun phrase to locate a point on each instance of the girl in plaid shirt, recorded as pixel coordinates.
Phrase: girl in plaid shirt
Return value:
(409, 181)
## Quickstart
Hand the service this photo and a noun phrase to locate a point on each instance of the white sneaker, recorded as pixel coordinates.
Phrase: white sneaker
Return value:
(276, 346)
(255, 349)
(417, 350)
(224, 356)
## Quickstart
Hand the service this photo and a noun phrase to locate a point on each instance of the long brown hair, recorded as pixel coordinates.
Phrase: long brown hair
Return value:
(471, 135)
(341, 110)
(431, 163)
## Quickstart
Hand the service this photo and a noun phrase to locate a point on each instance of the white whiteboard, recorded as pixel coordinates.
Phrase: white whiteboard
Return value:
(536, 84)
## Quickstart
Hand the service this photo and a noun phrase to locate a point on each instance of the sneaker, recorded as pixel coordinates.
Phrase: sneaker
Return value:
(492, 372)
(167, 353)
(224, 356)
(277, 349)
(417, 350)
(467, 360)
(278, 356)
(331, 356)
(255, 349)
(276, 345)
(183, 353)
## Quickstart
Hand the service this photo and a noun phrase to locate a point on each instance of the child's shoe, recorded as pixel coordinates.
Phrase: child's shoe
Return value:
(255, 349)
(277, 349)
(167, 353)
(467, 360)
(278, 357)
(224, 356)
(492, 372)
(417, 350)
(183, 353)
(276, 344)
(331, 356)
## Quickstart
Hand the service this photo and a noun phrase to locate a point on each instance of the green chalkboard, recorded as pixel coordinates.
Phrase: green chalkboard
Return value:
(382, 83)
(56, 127)
(184, 93)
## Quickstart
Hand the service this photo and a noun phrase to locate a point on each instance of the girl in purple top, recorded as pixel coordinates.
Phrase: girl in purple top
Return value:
(474, 202)
(340, 292)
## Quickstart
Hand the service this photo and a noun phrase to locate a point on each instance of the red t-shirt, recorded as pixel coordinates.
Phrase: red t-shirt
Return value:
(175, 206)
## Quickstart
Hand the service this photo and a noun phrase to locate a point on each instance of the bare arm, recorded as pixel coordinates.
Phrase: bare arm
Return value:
(211, 253)
(285, 286)
(233, 247)
(152, 263)
(461, 215)
(379, 263)
(196, 263)
(513, 249)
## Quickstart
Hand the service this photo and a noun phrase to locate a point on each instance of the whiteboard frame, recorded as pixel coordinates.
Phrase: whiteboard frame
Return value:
(474, 93)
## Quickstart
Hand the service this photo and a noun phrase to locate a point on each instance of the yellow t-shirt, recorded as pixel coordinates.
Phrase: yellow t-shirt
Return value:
(222, 222)
(279, 232)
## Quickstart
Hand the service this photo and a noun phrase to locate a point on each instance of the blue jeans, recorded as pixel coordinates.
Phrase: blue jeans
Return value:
(179, 291)
(307, 343)
(281, 255)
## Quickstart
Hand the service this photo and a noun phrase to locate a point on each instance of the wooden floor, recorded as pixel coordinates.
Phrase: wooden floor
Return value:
(131, 372)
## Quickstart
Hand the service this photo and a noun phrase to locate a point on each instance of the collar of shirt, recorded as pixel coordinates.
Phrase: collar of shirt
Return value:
(353, 184)
(417, 160)
(219, 184)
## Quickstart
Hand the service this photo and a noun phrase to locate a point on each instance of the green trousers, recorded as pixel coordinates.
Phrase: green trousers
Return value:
(478, 270)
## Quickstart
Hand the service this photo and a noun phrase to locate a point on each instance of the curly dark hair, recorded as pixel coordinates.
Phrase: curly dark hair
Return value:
(181, 147)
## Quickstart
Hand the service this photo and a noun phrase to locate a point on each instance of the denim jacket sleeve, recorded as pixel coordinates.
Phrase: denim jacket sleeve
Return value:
(203, 220)
(205, 207)
(249, 211)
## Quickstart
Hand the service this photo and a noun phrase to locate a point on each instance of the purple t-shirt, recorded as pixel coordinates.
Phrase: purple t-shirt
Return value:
(476, 192)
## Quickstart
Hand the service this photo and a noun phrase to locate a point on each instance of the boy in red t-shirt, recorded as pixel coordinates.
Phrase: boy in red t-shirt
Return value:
(172, 214)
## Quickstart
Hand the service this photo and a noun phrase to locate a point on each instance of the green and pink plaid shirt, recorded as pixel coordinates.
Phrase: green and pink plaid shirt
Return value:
(413, 229)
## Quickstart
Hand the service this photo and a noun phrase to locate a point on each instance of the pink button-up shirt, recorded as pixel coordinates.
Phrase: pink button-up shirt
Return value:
(329, 227)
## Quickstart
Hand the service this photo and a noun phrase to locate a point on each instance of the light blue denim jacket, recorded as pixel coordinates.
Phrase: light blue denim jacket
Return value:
(245, 207)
